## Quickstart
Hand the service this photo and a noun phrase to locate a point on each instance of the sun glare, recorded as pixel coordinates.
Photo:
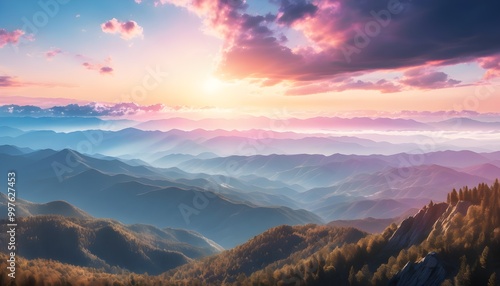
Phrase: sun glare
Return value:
(211, 85)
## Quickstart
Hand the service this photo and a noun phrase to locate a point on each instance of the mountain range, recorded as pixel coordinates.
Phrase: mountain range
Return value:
(449, 243)
(216, 196)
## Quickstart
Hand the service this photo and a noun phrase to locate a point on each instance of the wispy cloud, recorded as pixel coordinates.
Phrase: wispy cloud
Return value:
(382, 86)
(7, 37)
(101, 67)
(7, 81)
(52, 53)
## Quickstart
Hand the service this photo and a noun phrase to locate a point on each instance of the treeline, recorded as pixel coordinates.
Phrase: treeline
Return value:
(42, 272)
(277, 246)
(469, 247)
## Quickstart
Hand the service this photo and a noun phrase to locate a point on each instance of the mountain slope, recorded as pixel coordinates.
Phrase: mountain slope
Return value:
(105, 243)
(25, 208)
(369, 224)
(275, 245)
(455, 241)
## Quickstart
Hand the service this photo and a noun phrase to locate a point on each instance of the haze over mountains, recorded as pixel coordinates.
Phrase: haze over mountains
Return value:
(112, 188)
(216, 196)
(232, 137)
(169, 198)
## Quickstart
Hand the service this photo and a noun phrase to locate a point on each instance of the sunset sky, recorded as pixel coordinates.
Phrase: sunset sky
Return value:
(318, 56)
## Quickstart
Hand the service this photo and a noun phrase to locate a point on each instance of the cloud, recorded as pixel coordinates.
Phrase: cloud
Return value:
(106, 70)
(88, 66)
(127, 30)
(413, 78)
(7, 37)
(427, 78)
(102, 68)
(491, 65)
(7, 81)
(90, 109)
(292, 10)
(347, 36)
(43, 102)
(52, 53)
(382, 86)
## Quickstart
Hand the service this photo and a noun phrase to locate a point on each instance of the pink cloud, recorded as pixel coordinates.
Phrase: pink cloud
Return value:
(414, 78)
(12, 81)
(427, 78)
(346, 37)
(101, 67)
(9, 81)
(52, 53)
(382, 86)
(127, 30)
(106, 70)
(491, 65)
(10, 37)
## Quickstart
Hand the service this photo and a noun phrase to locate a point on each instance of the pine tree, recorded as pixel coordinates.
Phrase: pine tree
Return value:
(483, 259)
(493, 279)
(352, 276)
(464, 274)
(454, 197)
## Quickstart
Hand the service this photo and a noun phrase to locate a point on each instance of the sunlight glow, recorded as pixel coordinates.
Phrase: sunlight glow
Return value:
(211, 85)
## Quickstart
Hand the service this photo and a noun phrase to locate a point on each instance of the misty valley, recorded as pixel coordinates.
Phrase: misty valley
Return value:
(211, 207)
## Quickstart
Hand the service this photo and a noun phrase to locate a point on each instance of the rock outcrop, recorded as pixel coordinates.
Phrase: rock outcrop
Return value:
(428, 271)
(443, 223)
(416, 229)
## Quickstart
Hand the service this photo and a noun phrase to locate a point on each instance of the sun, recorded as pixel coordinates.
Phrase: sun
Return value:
(211, 85)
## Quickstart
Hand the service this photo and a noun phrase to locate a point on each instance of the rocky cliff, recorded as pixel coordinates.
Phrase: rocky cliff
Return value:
(415, 229)
(428, 271)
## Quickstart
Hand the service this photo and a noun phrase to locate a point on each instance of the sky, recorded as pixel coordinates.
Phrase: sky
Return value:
(258, 57)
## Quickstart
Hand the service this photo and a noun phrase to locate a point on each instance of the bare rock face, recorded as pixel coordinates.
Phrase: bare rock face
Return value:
(443, 223)
(414, 230)
(428, 271)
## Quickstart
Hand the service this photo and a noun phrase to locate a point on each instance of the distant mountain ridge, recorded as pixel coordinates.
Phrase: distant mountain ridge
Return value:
(25, 209)
(154, 194)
